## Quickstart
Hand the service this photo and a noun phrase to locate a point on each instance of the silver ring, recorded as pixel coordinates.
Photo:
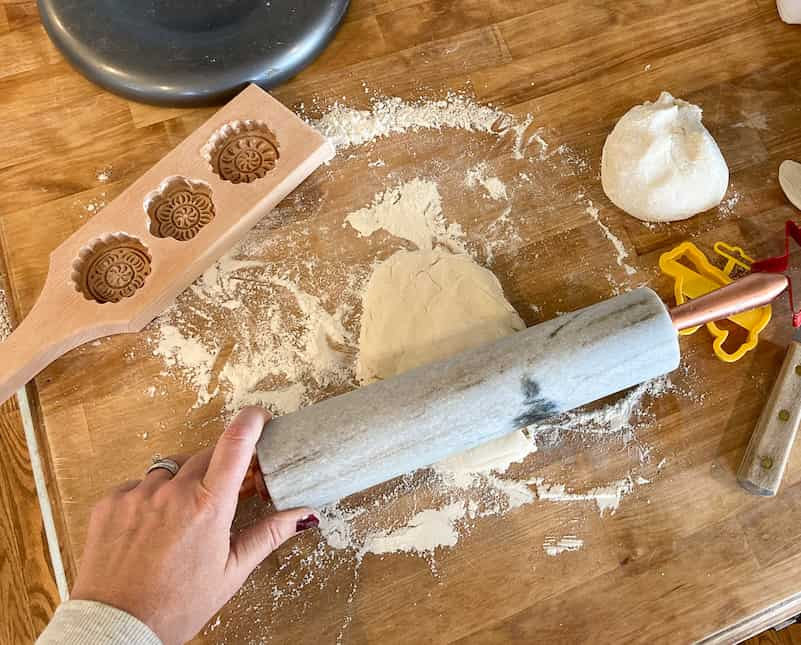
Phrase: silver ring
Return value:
(170, 465)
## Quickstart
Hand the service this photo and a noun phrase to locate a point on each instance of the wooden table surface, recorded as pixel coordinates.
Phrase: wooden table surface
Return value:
(688, 557)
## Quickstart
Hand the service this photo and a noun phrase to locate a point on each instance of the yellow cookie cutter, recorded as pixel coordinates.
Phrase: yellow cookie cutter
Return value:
(694, 276)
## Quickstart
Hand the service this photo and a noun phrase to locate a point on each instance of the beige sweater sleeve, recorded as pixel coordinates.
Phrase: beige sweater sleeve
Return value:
(84, 622)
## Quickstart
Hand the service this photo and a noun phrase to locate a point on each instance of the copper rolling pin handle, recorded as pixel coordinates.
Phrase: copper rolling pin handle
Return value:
(254, 483)
(752, 291)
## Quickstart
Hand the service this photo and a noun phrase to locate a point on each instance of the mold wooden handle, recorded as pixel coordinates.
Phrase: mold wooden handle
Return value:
(27, 351)
(40, 338)
(766, 457)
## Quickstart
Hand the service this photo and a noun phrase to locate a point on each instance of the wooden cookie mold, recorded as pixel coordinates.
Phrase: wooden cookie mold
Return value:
(130, 261)
(179, 208)
(242, 151)
(111, 268)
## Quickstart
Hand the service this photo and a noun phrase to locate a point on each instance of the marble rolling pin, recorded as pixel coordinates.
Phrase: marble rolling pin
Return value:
(348, 443)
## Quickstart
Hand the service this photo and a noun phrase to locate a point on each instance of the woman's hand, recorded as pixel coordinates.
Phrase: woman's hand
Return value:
(162, 549)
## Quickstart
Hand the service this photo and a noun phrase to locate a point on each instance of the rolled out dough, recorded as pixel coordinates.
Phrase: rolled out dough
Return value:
(422, 306)
(660, 163)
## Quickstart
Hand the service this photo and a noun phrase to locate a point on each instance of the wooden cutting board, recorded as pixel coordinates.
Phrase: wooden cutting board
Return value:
(687, 556)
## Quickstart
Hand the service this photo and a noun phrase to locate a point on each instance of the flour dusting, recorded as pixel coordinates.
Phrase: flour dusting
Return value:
(618, 418)
(411, 211)
(556, 546)
(194, 359)
(620, 249)
(426, 531)
(753, 120)
(462, 470)
(95, 205)
(494, 187)
(732, 198)
(346, 126)
(270, 361)
(606, 497)
(276, 322)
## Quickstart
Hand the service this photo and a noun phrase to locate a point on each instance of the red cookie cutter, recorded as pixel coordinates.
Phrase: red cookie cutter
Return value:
(781, 263)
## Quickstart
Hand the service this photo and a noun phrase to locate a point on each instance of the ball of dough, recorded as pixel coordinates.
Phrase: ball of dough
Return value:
(423, 306)
(660, 164)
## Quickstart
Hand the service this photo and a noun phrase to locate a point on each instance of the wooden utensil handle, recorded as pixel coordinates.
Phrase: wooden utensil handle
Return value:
(766, 457)
(38, 340)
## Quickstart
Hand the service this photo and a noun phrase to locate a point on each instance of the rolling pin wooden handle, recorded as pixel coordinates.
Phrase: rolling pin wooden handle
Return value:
(38, 340)
(766, 457)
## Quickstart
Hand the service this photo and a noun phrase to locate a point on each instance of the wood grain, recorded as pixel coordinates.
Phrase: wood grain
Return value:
(788, 636)
(27, 586)
(692, 556)
(28, 590)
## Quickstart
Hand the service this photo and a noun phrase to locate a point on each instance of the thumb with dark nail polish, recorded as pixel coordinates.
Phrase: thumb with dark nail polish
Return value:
(308, 522)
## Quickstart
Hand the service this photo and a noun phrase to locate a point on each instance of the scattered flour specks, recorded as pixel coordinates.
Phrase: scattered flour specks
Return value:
(477, 175)
(726, 207)
(620, 249)
(270, 361)
(618, 418)
(95, 205)
(190, 355)
(556, 546)
(606, 497)
(346, 126)
(465, 468)
(502, 235)
(754, 120)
